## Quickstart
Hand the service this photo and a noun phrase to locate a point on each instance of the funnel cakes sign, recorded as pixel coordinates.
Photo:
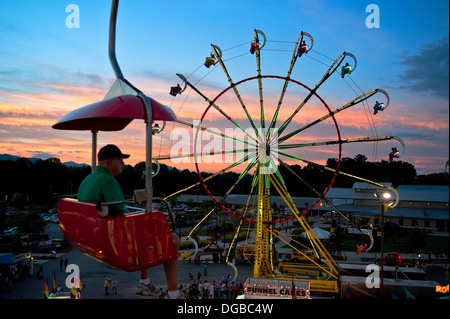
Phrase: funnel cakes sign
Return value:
(260, 288)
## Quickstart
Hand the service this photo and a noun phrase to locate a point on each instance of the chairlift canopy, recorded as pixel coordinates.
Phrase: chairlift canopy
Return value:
(112, 114)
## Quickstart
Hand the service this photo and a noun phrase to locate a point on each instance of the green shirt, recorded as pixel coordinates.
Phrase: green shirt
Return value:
(101, 185)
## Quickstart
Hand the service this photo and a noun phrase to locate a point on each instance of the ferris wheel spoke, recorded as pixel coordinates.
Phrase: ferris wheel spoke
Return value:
(221, 111)
(285, 196)
(329, 203)
(288, 168)
(315, 242)
(273, 167)
(258, 66)
(327, 74)
(321, 197)
(284, 193)
(286, 82)
(330, 169)
(333, 67)
(244, 213)
(331, 271)
(236, 91)
(222, 200)
(241, 176)
(220, 172)
(356, 140)
(353, 102)
(195, 155)
(214, 132)
(193, 230)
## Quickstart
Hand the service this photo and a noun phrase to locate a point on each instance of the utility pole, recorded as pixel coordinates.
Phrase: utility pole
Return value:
(384, 207)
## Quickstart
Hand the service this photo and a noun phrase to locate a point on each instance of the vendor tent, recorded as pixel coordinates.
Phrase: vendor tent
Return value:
(213, 248)
(10, 259)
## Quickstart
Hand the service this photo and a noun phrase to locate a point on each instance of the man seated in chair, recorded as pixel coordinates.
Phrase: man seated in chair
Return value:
(378, 107)
(174, 90)
(101, 185)
(302, 49)
(210, 60)
(346, 69)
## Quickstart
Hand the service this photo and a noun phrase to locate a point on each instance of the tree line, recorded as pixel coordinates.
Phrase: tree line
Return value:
(24, 182)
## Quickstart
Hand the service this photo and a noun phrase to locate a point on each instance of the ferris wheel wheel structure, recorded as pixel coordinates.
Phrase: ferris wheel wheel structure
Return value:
(268, 133)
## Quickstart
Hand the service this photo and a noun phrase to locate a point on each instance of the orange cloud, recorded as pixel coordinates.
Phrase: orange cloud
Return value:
(27, 119)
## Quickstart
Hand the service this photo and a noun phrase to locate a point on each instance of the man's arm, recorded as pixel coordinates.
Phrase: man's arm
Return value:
(112, 192)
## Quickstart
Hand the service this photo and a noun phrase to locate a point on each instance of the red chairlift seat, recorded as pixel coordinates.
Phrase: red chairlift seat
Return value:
(130, 242)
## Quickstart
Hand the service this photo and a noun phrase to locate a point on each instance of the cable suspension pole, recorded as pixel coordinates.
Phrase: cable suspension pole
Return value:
(112, 40)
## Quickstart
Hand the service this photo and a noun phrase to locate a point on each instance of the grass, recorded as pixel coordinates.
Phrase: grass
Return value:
(402, 243)
(432, 244)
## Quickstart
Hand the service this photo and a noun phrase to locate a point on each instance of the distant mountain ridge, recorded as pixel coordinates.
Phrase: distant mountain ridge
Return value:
(5, 157)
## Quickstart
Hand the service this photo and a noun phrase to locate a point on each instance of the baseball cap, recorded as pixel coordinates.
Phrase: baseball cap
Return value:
(110, 151)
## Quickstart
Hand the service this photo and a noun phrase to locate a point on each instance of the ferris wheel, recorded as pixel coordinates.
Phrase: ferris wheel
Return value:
(263, 126)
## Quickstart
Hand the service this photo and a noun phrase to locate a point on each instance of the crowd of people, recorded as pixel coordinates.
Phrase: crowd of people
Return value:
(11, 273)
(197, 288)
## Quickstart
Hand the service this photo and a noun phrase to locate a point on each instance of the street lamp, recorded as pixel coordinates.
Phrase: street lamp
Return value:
(385, 203)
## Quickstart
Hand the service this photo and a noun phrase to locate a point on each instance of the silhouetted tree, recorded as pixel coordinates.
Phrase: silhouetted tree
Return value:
(41, 180)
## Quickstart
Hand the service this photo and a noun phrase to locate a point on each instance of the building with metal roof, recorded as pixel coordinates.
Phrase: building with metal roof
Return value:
(420, 206)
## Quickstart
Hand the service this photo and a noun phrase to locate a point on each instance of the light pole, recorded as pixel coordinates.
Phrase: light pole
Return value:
(384, 206)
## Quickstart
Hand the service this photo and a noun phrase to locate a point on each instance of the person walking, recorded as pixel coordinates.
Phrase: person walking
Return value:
(106, 285)
(114, 286)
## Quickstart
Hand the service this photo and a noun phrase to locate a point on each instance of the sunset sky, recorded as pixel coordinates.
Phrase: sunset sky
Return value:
(48, 69)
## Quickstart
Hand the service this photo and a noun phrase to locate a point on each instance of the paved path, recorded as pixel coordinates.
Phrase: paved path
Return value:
(93, 274)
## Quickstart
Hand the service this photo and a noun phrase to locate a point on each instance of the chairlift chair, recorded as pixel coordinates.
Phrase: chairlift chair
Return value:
(210, 60)
(133, 241)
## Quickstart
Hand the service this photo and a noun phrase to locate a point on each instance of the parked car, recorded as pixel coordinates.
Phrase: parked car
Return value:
(11, 231)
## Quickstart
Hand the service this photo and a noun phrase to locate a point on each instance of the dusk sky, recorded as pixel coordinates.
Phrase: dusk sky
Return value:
(49, 68)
